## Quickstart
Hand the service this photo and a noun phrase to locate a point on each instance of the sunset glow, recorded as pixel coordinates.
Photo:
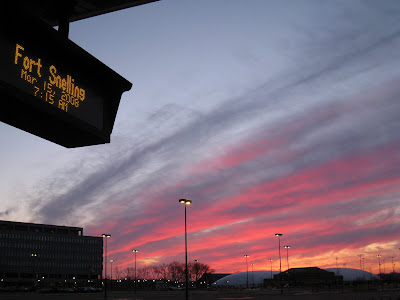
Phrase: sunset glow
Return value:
(270, 118)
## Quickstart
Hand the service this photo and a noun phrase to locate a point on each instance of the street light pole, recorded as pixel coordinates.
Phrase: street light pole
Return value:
(106, 236)
(379, 262)
(287, 256)
(360, 256)
(34, 258)
(247, 273)
(135, 251)
(186, 202)
(280, 259)
(271, 260)
(111, 261)
(252, 274)
(196, 272)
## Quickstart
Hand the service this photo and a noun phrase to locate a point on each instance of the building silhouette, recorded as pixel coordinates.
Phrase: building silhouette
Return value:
(308, 276)
(48, 255)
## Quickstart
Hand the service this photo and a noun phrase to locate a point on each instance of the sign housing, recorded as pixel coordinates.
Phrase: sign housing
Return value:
(51, 87)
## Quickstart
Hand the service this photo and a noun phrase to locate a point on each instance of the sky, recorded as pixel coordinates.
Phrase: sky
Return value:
(271, 116)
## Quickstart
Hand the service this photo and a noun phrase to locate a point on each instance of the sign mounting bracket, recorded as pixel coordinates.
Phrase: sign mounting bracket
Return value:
(65, 10)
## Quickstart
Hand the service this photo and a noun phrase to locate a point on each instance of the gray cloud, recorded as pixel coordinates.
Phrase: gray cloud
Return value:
(5, 213)
(322, 108)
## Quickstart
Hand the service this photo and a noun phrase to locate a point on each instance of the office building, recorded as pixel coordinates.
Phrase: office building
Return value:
(35, 253)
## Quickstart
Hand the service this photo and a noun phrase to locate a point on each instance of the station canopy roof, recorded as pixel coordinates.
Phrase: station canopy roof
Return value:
(49, 10)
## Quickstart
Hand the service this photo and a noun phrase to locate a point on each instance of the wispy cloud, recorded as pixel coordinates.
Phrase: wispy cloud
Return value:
(311, 152)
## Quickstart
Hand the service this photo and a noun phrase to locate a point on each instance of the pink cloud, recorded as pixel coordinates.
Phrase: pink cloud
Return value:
(222, 230)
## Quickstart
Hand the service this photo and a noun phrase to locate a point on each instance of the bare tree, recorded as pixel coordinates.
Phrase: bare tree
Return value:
(174, 271)
(144, 272)
(117, 273)
(160, 271)
(130, 273)
(197, 269)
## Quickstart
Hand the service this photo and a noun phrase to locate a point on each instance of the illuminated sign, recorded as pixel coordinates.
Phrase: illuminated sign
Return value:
(52, 88)
(37, 77)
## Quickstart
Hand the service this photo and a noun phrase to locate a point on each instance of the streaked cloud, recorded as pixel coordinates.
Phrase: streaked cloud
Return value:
(310, 151)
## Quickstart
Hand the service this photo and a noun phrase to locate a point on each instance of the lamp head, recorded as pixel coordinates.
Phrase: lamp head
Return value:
(185, 201)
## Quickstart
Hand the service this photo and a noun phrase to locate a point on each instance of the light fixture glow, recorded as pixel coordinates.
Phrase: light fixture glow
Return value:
(185, 201)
